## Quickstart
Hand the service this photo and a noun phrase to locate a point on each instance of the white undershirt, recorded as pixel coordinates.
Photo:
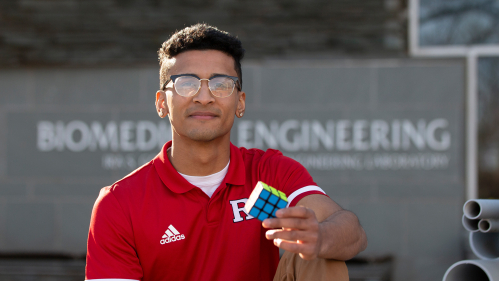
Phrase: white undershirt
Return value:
(208, 184)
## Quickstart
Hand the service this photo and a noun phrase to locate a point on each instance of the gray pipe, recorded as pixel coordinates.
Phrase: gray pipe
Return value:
(476, 270)
(488, 225)
(485, 245)
(470, 225)
(481, 209)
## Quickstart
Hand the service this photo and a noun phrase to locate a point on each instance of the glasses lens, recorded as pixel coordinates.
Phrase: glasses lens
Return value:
(187, 85)
(221, 86)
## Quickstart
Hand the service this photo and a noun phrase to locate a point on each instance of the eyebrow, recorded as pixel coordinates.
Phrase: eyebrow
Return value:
(212, 75)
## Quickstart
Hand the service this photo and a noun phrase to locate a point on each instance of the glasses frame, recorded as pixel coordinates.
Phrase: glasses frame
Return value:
(174, 77)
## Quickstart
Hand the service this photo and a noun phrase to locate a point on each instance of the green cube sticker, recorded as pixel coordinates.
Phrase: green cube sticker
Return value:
(282, 195)
(275, 192)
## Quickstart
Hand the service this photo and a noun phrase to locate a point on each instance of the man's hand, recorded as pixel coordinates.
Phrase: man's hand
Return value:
(298, 231)
(317, 228)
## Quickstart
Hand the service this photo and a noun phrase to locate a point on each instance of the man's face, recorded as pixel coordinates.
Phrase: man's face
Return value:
(202, 117)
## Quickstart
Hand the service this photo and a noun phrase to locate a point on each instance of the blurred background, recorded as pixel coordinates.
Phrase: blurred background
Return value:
(332, 84)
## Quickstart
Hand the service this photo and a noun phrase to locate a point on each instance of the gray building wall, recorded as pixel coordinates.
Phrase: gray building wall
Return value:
(126, 32)
(46, 197)
(408, 196)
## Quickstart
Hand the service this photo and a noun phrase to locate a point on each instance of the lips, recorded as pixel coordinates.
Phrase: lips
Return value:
(204, 115)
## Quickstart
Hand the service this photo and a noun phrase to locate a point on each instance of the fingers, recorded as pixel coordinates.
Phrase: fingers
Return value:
(305, 243)
(299, 242)
(296, 230)
(293, 235)
(293, 218)
(296, 212)
(306, 251)
(292, 223)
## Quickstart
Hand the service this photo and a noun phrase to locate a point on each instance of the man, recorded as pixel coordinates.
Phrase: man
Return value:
(181, 216)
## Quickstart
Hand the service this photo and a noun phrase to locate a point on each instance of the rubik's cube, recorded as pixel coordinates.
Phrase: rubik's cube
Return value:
(264, 201)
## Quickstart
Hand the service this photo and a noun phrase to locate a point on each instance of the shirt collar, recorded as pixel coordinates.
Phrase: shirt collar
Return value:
(236, 175)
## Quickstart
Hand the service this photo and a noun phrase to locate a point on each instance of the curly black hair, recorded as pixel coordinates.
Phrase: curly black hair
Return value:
(199, 37)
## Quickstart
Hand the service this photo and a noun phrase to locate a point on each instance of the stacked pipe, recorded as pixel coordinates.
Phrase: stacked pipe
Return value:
(481, 219)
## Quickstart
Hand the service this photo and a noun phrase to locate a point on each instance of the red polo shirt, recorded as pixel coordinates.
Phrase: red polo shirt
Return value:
(154, 225)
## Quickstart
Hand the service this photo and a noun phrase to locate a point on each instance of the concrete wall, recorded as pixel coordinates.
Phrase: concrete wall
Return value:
(46, 196)
(121, 32)
(406, 184)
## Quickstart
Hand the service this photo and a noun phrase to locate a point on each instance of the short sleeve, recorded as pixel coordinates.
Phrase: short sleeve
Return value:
(111, 250)
(287, 175)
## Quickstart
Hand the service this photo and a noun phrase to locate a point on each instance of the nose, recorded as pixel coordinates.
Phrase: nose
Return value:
(204, 95)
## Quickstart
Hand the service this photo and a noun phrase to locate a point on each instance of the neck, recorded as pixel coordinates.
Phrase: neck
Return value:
(196, 158)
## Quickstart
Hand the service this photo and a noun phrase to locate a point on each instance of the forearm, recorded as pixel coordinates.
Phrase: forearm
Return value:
(341, 236)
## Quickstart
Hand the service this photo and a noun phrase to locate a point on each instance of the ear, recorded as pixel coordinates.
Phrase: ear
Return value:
(241, 104)
(161, 107)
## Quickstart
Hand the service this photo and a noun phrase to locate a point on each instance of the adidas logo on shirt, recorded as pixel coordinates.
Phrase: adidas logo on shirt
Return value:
(171, 235)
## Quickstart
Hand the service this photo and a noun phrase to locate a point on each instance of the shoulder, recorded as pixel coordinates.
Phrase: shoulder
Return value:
(270, 162)
(269, 155)
(139, 175)
(270, 158)
(250, 153)
(130, 186)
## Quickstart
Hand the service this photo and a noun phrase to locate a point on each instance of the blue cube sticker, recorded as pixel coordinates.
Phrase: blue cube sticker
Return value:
(259, 203)
(254, 212)
(282, 204)
(262, 216)
(265, 194)
(268, 208)
(273, 199)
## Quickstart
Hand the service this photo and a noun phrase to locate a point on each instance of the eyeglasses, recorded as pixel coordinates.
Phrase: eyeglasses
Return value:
(188, 85)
